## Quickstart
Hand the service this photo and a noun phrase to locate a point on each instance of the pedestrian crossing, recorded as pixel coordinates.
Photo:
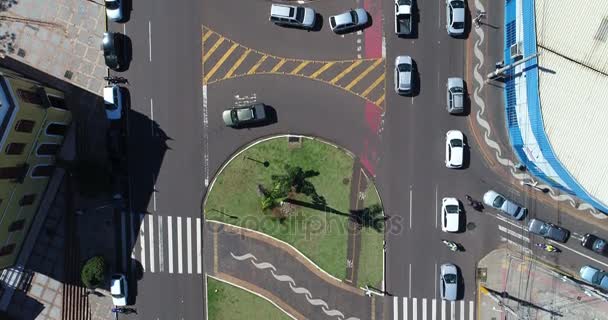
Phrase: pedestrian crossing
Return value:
(225, 59)
(405, 308)
(167, 244)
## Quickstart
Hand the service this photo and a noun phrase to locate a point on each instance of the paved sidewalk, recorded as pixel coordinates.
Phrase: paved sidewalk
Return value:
(358, 185)
(532, 290)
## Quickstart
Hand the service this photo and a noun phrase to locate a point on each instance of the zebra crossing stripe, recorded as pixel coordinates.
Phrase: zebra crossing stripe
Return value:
(180, 266)
(414, 308)
(434, 309)
(423, 308)
(462, 310)
(396, 307)
(151, 237)
(199, 253)
(142, 244)
(189, 244)
(453, 310)
(405, 313)
(471, 310)
(442, 309)
(161, 252)
(170, 243)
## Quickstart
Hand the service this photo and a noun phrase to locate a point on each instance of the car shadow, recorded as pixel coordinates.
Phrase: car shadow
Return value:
(466, 154)
(128, 47)
(461, 284)
(416, 80)
(318, 23)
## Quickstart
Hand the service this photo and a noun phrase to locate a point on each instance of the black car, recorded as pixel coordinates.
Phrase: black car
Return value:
(115, 51)
(245, 116)
(595, 244)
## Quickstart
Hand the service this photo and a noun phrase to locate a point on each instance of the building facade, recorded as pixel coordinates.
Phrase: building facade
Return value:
(34, 121)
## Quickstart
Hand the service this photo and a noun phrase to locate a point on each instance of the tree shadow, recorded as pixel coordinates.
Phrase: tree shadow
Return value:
(370, 217)
(315, 206)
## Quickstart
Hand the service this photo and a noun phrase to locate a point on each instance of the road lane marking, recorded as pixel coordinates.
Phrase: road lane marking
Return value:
(142, 244)
(257, 65)
(411, 200)
(409, 291)
(206, 35)
(205, 137)
(217, 43)
(405, 313)
(151, 236)
(436, 216)
(237, 63)
(424, 308)
(442, 309)
(396, 308)
(373, 86)
(220, 62)
(161, 252)
(150, 39)
(462, 310)
(380, 100)
(189, 243)
(199, 252)
(170, 242)
(471, 310)
(414, 308)
(180, 263)
(579, 253)
(513, 233)
(345, 72)
(300, 67)
(322, 69)
(278, 66)
(363, 74)
(435, 280)
(505, 220)
(152, 118)
(434, 309)
(453, 310)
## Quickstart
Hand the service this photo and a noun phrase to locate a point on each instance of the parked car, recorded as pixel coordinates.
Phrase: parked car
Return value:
(403, 74)
(244, 116)
(548, 230)
(118, 290)
(596, 244)
(296, 16)
(449, 282)
(595, 276)
(450, 215)
(504, 205)
(455, 95)
(455, 16)
(115, 10)
(348, 21)
(115, 51)
(114, 97)
(454, 149)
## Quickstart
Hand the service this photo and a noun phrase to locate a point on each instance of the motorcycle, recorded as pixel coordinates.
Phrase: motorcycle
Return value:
(547, 247)
(453, 246)
(477, 205)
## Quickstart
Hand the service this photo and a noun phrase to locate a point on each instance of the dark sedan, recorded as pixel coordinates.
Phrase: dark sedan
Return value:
(548, 230)
(115, 51)
(245, 116)
(595, 244)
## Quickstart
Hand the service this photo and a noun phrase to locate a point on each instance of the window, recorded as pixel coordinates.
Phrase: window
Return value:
(56, 129)
(58, 102)
(14, 148)
(24, 126)
(16, 225)
(27, 199)
(47, 149)
(29, 96)
(6, 250)
(11, 172)
(42, 171)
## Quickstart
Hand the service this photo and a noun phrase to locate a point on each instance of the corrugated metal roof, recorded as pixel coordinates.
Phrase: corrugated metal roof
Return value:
(577, 30)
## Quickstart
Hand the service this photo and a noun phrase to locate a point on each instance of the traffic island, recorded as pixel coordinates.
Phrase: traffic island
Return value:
(298, 193)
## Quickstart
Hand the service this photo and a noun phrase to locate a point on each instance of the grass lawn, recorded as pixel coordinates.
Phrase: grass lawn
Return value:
(370, 261)
(319, 235)
(227, 302)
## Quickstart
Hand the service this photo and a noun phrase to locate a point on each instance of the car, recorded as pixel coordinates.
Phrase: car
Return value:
(595, 244)
(403, 74)
(548, 230)
(455, 95)
(449, 282)
(450, 215)
(247, 115)
(118, 290)
(594, 276)
(348, 21)
(455, 16)
(115, 10)
(115, 51)
(113, 99)
(454, 149)
(497, 201)
(296, 16)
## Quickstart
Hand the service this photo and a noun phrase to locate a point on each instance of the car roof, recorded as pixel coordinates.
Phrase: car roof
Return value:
(455, 82)
(343, 18)
(281, 10)
(403, 59)
(454, 134)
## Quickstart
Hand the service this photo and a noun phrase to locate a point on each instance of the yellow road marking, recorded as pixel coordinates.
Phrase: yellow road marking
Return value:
(257, 65)
(379, 101)
(220, 62)
(345, 72)
(374, 85)
(300, 67)
(323, 68)
(237, 63)
(212, 50)
(278, 66)
(363, 74)
(206, 35)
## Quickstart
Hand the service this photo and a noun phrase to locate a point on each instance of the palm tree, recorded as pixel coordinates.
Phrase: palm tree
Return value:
(293, 180)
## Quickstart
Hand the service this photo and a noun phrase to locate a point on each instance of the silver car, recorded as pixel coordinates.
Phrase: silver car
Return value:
(594, 276)
(403, 74)
(449, 281)
(510, 208)
(455, 16)
(455, 95)
(348, 21)
(548, 230)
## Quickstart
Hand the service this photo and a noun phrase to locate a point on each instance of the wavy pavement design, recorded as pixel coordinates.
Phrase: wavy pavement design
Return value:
(292, 285)
(521, 176)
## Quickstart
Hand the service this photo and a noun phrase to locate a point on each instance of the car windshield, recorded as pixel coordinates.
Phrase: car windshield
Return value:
(234, 116)
(404, 67)
(449, 278)
(456, 89)
(456, 143)
(457, 4)
(300, 14)
(353, 15)
(458, 25)
(498, 202)
(599, 245)
(110, 106)
(544, 229)
(332, 21)
(112, 4)
(245, 114)
(451, 209)
(404, 2)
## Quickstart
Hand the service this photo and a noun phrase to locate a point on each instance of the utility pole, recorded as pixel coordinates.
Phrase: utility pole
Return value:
(498, 72)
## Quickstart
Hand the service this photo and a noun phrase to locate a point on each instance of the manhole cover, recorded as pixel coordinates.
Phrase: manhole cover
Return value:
(471, 226)
(345, 181)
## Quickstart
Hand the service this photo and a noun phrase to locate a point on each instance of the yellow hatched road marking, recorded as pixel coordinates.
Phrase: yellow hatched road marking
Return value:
(212, 50)
(300, 67)
(379, 101)
(345, 72)
(323, 68)
(278, 66)
(206, 35)
(220, 62)
(363, 74)
(374, 85)
(257, 65)
(237, 63)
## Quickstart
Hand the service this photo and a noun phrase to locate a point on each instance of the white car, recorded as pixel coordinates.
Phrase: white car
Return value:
(118, 290)
(348, 21)
(113, 100)
(454, 149)
(450, 215)
(286, 15)
(403, 74)
(115, 10)
(455, 15)
(506, 206)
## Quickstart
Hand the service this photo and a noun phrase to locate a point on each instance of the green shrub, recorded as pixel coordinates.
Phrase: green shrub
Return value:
(93, 272)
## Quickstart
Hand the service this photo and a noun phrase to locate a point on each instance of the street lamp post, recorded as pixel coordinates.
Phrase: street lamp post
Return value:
(265, 163)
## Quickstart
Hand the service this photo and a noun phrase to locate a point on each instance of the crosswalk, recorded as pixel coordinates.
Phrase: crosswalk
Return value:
(406, 308)
(167, 244)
